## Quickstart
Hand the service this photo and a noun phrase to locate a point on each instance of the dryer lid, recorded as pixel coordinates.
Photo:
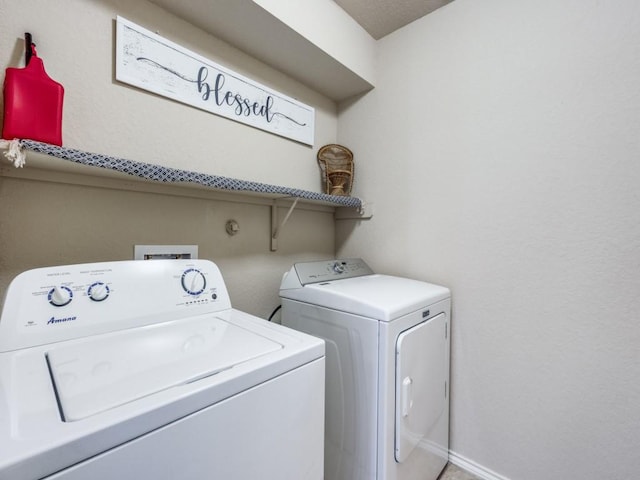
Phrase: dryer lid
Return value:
(109, 370)
(421, 391)
(381, 297)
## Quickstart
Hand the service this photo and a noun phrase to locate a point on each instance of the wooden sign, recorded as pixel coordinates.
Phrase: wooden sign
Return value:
(151, 62)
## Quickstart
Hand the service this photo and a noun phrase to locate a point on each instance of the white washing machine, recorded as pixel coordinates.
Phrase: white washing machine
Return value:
(141, 369)
(387, 362)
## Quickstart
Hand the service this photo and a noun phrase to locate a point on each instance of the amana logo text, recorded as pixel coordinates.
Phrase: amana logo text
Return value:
(60, 320)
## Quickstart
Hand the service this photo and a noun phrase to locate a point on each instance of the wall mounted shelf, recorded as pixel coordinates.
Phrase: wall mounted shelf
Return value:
(95, 169)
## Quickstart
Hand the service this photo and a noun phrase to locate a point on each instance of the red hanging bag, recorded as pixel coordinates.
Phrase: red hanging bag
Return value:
(32, 103)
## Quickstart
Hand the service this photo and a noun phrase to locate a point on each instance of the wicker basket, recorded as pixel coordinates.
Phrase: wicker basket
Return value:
(336, 166)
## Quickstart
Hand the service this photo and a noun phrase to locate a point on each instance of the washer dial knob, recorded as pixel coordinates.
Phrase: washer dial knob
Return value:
(98, 291)
(60, 296)
(193, 281)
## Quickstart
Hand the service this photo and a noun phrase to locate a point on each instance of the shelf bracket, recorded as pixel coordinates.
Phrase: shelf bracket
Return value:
(276, 227)
(365, 212)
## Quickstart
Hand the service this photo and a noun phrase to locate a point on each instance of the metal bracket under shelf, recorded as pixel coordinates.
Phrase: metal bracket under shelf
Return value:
(364, 212)
(276, 227)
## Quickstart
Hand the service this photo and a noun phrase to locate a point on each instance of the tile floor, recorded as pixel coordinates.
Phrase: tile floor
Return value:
(451, 472)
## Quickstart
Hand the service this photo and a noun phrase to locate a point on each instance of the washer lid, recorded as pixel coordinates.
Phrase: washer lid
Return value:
(104, 372)
(382, 297)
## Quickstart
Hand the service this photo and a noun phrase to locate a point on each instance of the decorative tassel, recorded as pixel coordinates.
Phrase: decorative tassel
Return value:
(15, 152)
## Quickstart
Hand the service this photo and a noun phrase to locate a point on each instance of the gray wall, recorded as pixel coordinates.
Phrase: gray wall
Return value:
(500, 149)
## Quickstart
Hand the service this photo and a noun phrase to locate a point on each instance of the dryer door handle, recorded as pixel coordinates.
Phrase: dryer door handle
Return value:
(407, 396)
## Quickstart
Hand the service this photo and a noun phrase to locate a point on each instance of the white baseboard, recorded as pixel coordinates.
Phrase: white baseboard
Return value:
(473, 467)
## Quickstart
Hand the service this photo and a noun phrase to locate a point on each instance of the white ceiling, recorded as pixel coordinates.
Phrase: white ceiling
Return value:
(381, 17)
(289, 52)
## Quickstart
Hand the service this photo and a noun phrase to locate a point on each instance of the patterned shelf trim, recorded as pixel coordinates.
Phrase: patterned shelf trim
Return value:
(171, 175)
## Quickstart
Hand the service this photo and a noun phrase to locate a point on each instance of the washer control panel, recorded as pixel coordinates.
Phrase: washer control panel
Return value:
(52, 304)
(329, 270)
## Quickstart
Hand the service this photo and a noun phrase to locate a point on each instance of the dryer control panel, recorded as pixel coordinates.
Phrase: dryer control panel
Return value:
(325, 271)
(53, 304)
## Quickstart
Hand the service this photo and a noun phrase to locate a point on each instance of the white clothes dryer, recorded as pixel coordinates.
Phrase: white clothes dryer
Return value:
(387, 367)
(142, 369)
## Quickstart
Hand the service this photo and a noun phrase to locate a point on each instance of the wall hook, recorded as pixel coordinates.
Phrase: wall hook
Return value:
(28, 48)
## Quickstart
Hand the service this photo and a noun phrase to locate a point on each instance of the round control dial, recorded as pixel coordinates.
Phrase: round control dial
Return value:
(339, 267)
(193, 281)
(98, 291)
(60, 296)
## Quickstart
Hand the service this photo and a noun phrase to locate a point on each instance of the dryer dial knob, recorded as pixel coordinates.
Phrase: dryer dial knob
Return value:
(60, 296)
(98, 291)
(339, 267)
(193, 281)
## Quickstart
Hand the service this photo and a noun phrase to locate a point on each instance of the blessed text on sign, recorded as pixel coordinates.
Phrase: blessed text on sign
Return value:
(151, 62)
